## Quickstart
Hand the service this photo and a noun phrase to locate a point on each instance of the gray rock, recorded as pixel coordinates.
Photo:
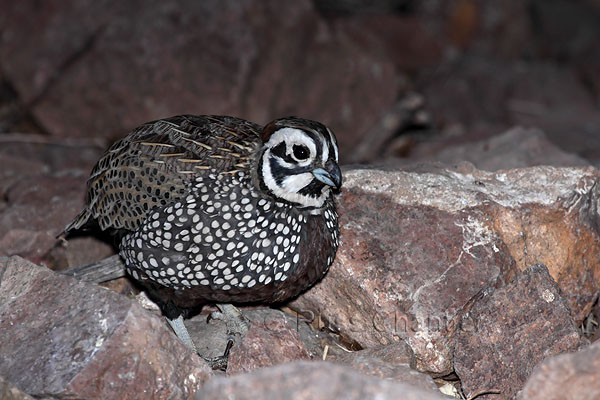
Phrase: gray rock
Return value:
(395, 361)
(271, 340)
(312, 380)
(509, 331)
(9, 392)
(68, 339)
(566, 376)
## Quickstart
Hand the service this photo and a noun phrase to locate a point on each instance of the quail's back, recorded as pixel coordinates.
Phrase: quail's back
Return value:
(218, 209)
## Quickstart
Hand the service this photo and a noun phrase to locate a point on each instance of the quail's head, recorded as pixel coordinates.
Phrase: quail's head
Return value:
(298, 162)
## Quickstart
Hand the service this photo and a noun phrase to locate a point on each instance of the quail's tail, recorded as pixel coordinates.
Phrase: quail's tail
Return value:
(79, 221)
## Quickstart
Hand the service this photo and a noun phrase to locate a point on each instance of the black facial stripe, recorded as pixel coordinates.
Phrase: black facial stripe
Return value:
(331, 150)
(279, 150)
(313, 189)
(279, 172)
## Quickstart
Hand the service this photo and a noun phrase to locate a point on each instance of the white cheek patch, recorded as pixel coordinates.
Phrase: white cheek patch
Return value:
(325, 154)
(295, 183)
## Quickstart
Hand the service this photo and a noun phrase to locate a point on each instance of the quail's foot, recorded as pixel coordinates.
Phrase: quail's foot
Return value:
(237, 326)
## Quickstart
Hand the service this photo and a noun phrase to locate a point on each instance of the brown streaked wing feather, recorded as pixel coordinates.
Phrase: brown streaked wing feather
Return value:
(154, 164)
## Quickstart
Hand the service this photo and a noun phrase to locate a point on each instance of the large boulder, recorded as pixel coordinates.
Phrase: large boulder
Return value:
(62, 338)
(418, 247)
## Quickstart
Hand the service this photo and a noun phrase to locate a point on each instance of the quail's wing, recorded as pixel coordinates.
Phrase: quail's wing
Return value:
(154, 164)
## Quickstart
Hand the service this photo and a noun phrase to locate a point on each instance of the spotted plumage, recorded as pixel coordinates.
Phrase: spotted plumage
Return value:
(218, 209)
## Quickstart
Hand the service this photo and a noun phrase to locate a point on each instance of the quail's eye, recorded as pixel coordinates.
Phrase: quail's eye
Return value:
(300, 152)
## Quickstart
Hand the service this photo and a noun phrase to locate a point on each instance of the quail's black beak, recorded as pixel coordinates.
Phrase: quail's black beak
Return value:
(330, 175)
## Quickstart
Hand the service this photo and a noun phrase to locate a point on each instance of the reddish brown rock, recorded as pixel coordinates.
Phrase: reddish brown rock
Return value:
(42, 188)
(265, 345)
(556, 100)
(509, 331)
(395, 361)
(418, 247)
(269, 341)
(315, 380)
(552, 98)
(566, 376)
(390, 31)
(64, 338)
(30, 154)
(177, 58)
(37, 208)
(396, 353)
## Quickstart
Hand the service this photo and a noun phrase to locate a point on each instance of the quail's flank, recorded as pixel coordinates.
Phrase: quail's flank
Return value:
(215, 209)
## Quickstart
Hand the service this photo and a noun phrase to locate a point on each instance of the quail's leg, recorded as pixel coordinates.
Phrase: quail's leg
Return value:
(182, 332)
(237, 326)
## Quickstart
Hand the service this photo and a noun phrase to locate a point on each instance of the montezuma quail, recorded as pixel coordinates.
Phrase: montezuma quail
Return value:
(213, 209)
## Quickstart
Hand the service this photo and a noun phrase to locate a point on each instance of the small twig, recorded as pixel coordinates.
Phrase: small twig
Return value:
(343, 348)
(325, 351)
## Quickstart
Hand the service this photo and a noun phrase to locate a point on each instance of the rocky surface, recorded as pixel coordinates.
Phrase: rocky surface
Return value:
(177, 59)
(509, 331)
(42, 184)
(311, 380)
(9, 392)
(503, 85)
(65, 339)
(419, 247)
(395, 361)
(516, 148)
(269, 341)
(567, 376)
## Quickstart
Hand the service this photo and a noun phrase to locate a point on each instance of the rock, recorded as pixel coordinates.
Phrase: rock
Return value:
(418, 247)
(211, 337)
(177, 58)
(531, 94)
(270, 340)
(320, 343)
(64, 338)
(395, 353)
(566, 376)
(30, 154)
(509, 331)
(556, 100)
(516, 148)
(37, 208)
(10, 392)
(467, 117)
(42, 188)
(393, 362)
(388, 30)
(310, 380)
